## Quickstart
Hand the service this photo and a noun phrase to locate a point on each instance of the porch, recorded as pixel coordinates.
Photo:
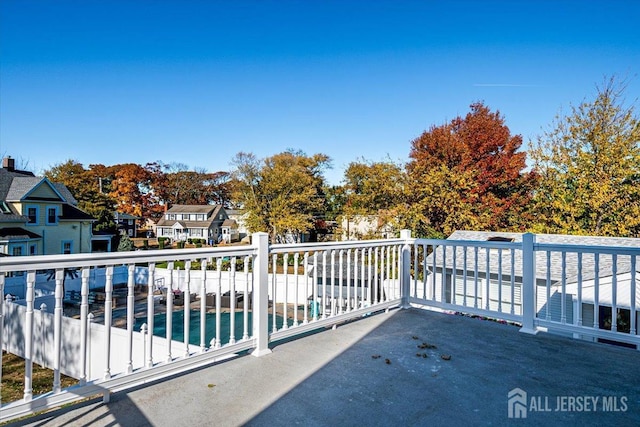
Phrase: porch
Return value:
(352, 286)
(334, 378)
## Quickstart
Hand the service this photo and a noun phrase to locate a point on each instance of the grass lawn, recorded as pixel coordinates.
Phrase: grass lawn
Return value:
(13, 379)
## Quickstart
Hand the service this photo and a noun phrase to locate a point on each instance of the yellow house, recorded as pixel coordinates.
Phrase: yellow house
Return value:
(39, 217)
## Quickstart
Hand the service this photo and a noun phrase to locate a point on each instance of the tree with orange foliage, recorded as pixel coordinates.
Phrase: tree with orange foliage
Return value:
(128, 188)
(468, 173)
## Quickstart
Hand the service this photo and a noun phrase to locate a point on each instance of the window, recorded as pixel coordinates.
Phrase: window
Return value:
(52, 215)
(32, 213)
(500, 239)
(17, 251)
(33, 250)
(67, 246)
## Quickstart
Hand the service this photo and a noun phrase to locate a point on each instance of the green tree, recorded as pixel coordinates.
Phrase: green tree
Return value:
(373, 189)
(281, 194)
(125, 244)
(589, 164)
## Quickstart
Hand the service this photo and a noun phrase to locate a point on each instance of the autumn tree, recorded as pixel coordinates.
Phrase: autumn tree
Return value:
(589, 164)
(88, 188)
(282, 194)
(177, 185)
(468, 173)
(129, 188)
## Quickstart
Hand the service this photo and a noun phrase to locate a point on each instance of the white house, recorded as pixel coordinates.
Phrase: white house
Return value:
(182, 222)
(355, 227)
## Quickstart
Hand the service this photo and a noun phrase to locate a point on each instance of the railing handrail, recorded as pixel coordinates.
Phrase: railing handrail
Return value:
(349, 244)
(45, 262)
(591, 249)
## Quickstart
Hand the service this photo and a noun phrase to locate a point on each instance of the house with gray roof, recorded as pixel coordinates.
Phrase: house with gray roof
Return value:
(183, 222)
(473, 275)
(39, 217)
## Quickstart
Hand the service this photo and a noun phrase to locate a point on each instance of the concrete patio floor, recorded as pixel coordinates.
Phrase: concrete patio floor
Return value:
(372, 372)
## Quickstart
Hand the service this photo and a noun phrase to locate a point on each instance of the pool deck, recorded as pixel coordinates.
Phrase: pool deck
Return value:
(405, 367)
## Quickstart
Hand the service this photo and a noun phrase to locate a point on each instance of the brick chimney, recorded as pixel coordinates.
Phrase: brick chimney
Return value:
(9, 164)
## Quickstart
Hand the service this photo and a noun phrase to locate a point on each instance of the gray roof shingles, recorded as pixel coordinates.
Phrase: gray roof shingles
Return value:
(555, 258)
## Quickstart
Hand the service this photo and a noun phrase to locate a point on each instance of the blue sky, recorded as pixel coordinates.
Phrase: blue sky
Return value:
(195, 82)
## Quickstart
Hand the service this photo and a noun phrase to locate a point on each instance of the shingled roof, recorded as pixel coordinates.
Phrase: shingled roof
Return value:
(588, 263)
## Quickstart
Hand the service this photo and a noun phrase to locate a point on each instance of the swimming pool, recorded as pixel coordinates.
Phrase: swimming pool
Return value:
(160, 325)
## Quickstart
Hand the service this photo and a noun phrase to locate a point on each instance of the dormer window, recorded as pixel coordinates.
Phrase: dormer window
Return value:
(500, 239)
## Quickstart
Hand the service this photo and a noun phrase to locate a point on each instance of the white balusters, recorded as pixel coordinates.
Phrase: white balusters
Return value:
(28, 339)
(130, 315)
(305, 314)
(596, 291)
(285, 307)
(563, 298)
(217, 342)
(500, 280)
(454, 276)
(150, 314)
(245, 311)
(349, 251)
(169, 313)
(108, 290)
(579, 303)
(487, 281)
(131, 268)
(324, 285)
(232, 302)
(296, 266)
(464, 276)
(614, 293)
(314, 312)
(187, 307)
(513, 280)
(475, 276)
(203, 301)
(84, 320)
(274, 288)
(634, 328)
(341, 280)
(333, 283)
(57, 328)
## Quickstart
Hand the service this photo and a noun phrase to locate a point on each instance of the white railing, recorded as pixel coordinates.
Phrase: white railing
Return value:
(588, 292)
(114, 333)
(158, 313)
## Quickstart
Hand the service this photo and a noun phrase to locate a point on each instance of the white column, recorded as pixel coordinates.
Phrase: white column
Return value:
(528, 284)
(405, 278)
(261, 294)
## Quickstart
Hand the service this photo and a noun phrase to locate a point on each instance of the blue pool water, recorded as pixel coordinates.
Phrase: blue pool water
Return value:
(160, 326)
